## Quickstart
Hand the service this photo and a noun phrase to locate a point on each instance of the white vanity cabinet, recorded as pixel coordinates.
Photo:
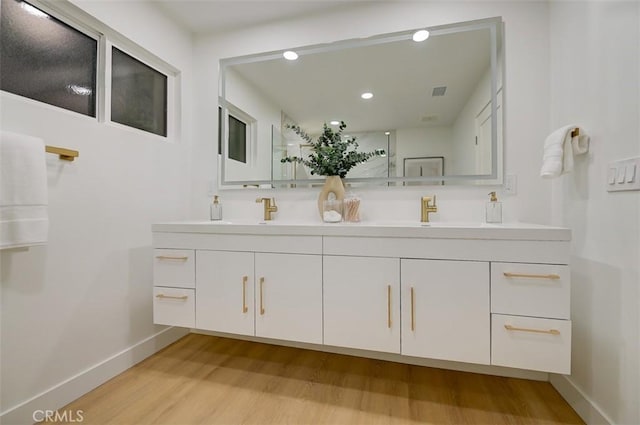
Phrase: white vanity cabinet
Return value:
(281, 300)
(361, 298)
(489, 295)
(174, 283)
(530, 306)
(225, 288)
(445, 310)
(289, 297)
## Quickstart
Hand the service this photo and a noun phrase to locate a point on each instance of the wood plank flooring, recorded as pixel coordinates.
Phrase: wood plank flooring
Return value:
(210, 380)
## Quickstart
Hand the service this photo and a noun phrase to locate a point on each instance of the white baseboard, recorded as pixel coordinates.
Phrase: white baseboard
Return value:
(579, 401)
(418, 361)
(67, 391)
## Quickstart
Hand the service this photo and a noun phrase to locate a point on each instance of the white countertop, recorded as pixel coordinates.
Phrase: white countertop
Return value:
(437, 230)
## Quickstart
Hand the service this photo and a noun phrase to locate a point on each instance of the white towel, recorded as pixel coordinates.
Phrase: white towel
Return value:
(23, 191)
(559, 150)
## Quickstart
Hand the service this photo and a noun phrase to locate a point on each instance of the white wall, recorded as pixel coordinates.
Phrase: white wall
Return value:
(249, 100)
(86, 296)
(527, 99)
(427, 141)
(595, 82)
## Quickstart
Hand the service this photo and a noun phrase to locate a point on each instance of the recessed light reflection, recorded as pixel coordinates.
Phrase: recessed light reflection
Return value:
(82, 91)
(366, 95)
(290, 55)
(420, 35)
(334, 122)
(34, 11)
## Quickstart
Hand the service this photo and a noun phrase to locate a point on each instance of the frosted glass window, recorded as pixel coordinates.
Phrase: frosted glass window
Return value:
(138, 94)
(44, 59)
(237, 139)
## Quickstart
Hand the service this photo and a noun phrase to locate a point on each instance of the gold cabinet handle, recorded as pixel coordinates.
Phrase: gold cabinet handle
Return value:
(261, 301)
(181, 297)
(532, 276)
(413, 317)
(538, 331)
(169, 257)
(244, 294)
(389, 306)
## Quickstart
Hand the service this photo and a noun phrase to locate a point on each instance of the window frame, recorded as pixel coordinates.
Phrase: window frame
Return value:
(171, 91)
(251, 124)
(88, 31)
(106, 38)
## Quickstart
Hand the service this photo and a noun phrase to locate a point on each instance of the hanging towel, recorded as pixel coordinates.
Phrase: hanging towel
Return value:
(559, 150)
(23, 191)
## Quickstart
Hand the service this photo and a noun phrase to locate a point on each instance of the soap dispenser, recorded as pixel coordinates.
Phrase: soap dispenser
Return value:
(216, 209)
(493, 209)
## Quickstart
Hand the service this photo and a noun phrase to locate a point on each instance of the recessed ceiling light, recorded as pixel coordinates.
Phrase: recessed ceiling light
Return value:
(334, 122)
(366, 95)
(290, 55)
(420, 35)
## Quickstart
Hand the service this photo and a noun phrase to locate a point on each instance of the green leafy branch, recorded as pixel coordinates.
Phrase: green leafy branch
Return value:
(331, 154)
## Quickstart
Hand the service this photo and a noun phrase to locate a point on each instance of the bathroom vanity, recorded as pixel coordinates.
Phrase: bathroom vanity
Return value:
(483, 294)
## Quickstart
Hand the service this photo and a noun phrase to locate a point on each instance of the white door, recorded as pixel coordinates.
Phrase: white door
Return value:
(445, 310)
(225, 291)
(289, 297)
(483, 148)
(362, 303)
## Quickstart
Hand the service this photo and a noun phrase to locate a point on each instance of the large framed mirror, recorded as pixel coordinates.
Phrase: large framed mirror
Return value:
(435, 115)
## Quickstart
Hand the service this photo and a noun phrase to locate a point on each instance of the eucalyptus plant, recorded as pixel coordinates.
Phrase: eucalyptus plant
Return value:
(331, 154)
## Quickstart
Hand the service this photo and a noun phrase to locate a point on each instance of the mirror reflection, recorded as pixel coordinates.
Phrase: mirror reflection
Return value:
(433, 107)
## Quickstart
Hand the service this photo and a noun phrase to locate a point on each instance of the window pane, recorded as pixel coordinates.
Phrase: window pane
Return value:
(44, 59)
(138, 94)
(237, 139)
(219, 131)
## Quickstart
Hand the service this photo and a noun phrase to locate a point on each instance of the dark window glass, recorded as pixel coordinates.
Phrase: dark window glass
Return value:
(138, 94)
(237, 139)
(44, 59)
(219, 131)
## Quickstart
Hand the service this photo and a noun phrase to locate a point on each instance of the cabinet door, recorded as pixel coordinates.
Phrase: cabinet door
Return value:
(289, 297)
(225, 291)
(445, 310)
(362, 303)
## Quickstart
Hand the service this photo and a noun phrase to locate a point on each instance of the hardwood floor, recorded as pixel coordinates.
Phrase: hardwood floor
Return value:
(210, 380)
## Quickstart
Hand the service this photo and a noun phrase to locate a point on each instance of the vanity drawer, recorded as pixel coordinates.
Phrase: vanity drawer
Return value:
(531, 343)
(174, 306)
(540, 290)
(174, 267)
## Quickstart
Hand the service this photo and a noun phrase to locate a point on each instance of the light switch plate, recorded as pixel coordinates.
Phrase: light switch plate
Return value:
(510, 184)
(623, 175)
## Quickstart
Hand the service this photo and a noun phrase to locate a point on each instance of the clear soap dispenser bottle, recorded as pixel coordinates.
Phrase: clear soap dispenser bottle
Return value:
(216, 209)
(493, 209)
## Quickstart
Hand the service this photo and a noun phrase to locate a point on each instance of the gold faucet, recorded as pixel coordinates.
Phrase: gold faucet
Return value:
(427, 208)
(269, 207)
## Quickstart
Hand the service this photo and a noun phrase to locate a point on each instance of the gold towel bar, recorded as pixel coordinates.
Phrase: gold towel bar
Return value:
(65, 154)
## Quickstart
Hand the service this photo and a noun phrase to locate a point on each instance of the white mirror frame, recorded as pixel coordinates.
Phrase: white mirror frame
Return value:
(495, 178)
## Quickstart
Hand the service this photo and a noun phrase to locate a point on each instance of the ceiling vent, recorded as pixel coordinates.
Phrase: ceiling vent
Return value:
(438, 91)
(429, 118)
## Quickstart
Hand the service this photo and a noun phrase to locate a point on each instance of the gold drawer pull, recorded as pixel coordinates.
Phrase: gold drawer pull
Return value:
(413, 318)
(532, 276)
(168, 257)
(261, 301)
(244, 294)
(389, 306)
(181, 297)
(538, 331)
